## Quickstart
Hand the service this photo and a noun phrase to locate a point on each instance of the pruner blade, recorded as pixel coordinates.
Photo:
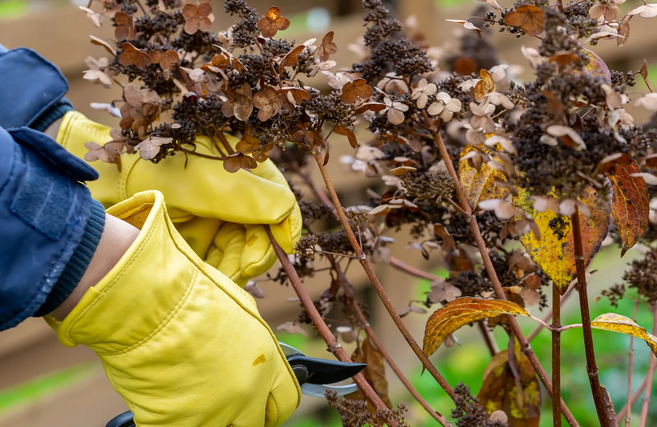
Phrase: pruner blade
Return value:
(316, 376)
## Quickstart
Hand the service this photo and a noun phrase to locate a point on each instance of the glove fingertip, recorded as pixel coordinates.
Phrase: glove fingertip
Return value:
(288, 232)
(255, 268)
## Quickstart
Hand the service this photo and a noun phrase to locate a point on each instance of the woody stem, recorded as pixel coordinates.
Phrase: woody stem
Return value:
(370, 333)
(591, 365)
(367, 266)
(492, 274)
(318, 322)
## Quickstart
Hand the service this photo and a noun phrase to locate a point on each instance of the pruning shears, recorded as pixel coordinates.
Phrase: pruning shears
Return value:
(314, 375)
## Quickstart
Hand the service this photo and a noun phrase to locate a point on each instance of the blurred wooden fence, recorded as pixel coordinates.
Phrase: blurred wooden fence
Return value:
(61, 35)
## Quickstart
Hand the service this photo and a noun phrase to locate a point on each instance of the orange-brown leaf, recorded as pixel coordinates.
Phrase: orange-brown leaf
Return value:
(519, 399)
(554, 250)
(273, 22)
(349, 133)
(630, 204)
(237, 161)
(484, 86)
(291, 58)
(103, 43)
(445, 321)
(328, 47)
(480, 185)
(375, 372)
(356, 89)
(125, 27)
(528, 17)
(133, 56)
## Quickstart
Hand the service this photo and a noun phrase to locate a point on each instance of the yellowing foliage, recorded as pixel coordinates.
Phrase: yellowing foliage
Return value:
(554, 251)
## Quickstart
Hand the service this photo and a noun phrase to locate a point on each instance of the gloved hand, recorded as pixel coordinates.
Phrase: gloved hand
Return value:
(181, 343)
(220, 215)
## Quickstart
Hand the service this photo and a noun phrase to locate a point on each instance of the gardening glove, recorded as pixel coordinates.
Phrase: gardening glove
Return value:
(183, 344)
(220, 214)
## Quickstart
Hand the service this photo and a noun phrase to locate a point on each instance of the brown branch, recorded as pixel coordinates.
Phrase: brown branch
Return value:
(370, 333)
(368, 330)
(206, 156)
(362, 258)
(488, 338)
(413, 271)
(333, 345)
(225, 143)
(492, 275)
(591, 366)
(630, 368)
(548, 316)
(651, 374)
(556, 355)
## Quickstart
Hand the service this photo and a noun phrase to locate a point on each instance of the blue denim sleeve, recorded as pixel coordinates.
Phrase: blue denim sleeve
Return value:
(32, 90)
(50, 225)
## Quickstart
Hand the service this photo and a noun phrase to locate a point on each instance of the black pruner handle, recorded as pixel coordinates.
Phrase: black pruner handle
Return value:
(123, 420)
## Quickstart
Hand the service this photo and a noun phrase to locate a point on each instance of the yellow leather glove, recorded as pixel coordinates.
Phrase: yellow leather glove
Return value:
(182, 344)
(220, 214)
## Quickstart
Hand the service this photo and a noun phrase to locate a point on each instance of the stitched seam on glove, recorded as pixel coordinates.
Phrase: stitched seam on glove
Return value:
(278, 411)
(249, 298)
(108, 373)
(163, 324)
(67, 332)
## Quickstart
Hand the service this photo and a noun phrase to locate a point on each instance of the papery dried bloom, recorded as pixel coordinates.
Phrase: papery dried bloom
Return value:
(125, 26)
(328, 47)
(150, 147)
(95, 72)
(198, 17)
(422, 91)
(269, 102)
(273, 22)
(481, 118)
(133, 56)
(445, 106)
(394, 111)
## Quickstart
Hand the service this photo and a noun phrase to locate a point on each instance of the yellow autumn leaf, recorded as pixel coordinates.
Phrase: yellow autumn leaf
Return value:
(624, 325)
(480, 185)
(458, 313)
(554, 250)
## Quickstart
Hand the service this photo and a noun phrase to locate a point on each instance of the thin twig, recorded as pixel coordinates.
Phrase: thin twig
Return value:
(556, 355)
(370, 333)
(630, 369)
(492, 274)
(591, 366)
(225, 143)
(333, 345)
(548, 316)
(635, 397)
(488, 338)
(207, 156)
(214, 143)
(365, 263)
(651, 374)
(413, 271)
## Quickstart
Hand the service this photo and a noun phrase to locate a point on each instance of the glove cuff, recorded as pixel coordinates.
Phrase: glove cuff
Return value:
(78, 263)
